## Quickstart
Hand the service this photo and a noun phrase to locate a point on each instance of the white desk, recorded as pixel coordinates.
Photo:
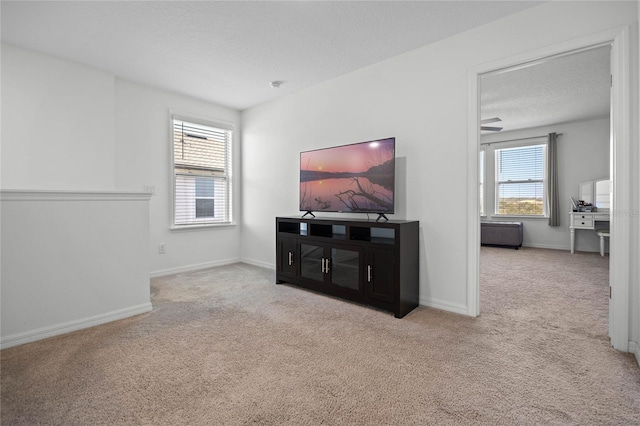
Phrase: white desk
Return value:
(584, 220)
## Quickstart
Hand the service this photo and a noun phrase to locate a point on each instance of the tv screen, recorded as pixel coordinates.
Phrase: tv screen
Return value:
(359, 177)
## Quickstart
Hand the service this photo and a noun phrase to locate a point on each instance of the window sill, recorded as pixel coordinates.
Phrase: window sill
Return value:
(203, 226)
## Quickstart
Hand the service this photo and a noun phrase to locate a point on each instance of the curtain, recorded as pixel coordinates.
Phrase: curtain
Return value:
(553, 200)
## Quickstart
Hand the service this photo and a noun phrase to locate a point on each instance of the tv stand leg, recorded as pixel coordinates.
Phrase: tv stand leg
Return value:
(382, 216)
(309, 212)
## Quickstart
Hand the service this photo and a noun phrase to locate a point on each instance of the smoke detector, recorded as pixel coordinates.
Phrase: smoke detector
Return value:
(275, 84)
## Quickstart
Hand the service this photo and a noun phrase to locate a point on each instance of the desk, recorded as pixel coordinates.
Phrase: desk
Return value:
(584, 220)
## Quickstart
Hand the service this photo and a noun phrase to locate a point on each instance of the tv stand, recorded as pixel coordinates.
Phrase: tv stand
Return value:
(372, 263)
(382, 216)
(309, 212)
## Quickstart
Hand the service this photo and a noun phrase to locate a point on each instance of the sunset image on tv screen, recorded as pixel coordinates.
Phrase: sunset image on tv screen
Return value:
(349, 178)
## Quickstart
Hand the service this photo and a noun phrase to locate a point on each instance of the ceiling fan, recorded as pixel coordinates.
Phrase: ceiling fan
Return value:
(490, 128)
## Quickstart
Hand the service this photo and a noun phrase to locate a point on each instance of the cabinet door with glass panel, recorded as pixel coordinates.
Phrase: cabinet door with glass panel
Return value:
(338, 267)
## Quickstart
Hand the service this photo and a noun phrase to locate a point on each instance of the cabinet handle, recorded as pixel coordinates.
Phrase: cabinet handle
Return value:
(323, 265)
(368, 273)
(290, 258)
(326, 267)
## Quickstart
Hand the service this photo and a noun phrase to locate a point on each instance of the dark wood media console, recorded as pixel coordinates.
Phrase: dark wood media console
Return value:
(373, 263)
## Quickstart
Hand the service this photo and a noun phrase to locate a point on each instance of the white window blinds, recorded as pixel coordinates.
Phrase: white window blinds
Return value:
(202, 174)
(520, 180)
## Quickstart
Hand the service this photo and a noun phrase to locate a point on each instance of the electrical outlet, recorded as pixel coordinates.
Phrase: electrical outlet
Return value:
(162, 249)
(150, 189)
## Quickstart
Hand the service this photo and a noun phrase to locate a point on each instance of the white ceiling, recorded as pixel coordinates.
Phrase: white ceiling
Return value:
(227, 52)
(568, 88)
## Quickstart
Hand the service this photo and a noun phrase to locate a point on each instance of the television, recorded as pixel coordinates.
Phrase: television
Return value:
(358, 177)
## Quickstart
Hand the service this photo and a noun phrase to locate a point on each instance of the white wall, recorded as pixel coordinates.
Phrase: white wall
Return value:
(71, 260)
(69, 127)
(69, 264)
(143, 148)
(420, 98)
(583, 154)
(58, 123)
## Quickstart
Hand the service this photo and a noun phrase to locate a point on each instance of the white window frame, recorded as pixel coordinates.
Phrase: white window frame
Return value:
(520, 144)
(226, 177)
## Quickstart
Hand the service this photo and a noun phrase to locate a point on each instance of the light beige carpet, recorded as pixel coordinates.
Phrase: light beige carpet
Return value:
(227, 346)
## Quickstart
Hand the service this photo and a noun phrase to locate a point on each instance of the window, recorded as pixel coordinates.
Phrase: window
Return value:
(205, 200)
(201, 173)
(520, 180)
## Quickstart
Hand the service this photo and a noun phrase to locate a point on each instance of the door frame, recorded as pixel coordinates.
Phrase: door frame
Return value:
(620, 154)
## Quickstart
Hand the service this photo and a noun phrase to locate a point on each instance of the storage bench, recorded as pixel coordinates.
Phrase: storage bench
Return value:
(505, 234)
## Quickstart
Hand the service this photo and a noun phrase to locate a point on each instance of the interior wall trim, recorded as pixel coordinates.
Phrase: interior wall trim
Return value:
(620, 224)
(45, 195)
(620, 242)
(260, 264)
(443, 306)
(634, 348)
(67, 327)
(552, 247)
(193, 267)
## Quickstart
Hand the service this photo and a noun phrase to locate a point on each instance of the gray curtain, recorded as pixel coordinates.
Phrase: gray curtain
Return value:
(552, 182)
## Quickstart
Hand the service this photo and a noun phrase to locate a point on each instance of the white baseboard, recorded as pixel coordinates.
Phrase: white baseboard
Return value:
(194, 267)
(444, 306)
(259, 263)
(547, 246)
(67, 327)
(560, 247)
(634, 348)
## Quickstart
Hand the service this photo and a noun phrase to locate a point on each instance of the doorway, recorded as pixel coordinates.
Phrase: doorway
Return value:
(619, 160)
